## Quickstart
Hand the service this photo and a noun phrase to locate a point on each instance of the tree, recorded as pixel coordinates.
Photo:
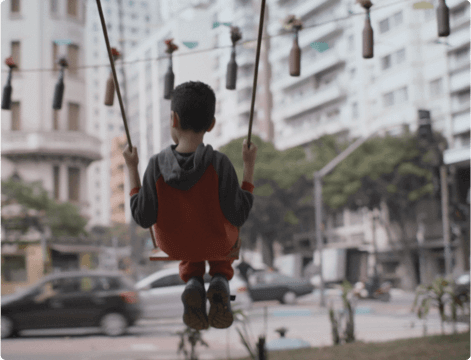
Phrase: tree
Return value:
(283, 188)
(64, 219)
(398, 171)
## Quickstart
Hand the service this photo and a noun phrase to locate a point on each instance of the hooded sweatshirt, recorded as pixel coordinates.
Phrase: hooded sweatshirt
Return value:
(194, 202)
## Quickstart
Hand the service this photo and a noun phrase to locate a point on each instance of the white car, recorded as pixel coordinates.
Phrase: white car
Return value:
(160, 293)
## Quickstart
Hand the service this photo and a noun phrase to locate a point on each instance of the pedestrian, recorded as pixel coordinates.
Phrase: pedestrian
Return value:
(244, 268)
(192, 197)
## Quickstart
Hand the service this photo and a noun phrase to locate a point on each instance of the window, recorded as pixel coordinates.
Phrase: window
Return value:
(54, 7)
(74, 117)
(388, 99)
(72, 8)
(462, 54)
(351, 43)
(397, 18)
(14, 268)
(401, 95)
(73, 57)
(15, 6)
(386, 62)
(56, 174)
(458, 13)
(16, 52)
(384, 26)
(400, 56)
(355, 110)
(436, 87)
(463, 97)
(74, 184)
(338, 219)
(55, 119)
(15, 116)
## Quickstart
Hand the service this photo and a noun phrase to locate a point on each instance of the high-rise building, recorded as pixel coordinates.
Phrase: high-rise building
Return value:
(55, 147)
(128, 23)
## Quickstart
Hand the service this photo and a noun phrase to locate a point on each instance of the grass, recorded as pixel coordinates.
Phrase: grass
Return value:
(437, 347)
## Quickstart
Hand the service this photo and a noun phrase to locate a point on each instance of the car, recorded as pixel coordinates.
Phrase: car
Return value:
(104, 299)
(161, 293)
(462, 286)
(270, 285)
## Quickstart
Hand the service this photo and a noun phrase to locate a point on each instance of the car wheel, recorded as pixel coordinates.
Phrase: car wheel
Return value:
(7, 327)
(289, 298)
(114, 324)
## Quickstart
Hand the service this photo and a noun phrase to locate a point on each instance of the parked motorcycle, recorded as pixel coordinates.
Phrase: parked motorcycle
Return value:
(373, 289)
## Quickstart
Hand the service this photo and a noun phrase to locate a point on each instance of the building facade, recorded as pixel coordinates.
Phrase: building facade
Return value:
(128, 23)
(39, 143)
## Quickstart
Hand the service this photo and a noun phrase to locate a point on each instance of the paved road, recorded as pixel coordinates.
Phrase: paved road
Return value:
(152, 340)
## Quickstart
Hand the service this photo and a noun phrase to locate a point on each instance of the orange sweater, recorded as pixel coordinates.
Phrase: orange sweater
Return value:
(194, 202)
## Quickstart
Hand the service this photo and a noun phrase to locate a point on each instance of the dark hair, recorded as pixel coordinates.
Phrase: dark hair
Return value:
(195, 103)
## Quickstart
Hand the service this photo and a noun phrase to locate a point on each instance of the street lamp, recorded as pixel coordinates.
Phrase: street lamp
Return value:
(425, 133)
(421, 240)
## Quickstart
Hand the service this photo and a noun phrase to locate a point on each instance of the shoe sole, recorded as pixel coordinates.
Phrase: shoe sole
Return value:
(220, 316)
(194, 316)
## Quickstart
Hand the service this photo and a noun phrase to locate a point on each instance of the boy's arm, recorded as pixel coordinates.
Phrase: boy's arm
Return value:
(134, 180)
(235, 201)
(248, 173)
(144, 201)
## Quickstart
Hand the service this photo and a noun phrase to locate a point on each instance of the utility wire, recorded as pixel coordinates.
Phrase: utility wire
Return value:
(123, 63)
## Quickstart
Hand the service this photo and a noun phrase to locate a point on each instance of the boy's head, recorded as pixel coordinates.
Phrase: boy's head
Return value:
(195, 104)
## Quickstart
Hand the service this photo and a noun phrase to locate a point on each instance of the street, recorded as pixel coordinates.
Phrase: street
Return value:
(155, 339)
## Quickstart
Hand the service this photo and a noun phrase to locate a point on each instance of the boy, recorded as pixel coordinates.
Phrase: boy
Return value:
(191, 195)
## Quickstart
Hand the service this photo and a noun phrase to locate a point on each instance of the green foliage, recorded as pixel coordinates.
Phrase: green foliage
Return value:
(394, 169)
(283, 185)
(438, 294)
(191, 337)
(343, 330)
(64, 219)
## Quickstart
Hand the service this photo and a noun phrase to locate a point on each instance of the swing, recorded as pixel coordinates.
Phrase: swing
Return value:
(158, 254)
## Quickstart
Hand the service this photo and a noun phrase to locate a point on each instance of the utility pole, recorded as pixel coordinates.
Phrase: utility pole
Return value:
(268, 98)
(445, 219)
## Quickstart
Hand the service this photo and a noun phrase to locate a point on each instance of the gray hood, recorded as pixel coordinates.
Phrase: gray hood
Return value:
(182, 171)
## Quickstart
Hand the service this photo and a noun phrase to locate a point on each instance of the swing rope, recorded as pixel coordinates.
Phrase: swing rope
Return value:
(115, 78)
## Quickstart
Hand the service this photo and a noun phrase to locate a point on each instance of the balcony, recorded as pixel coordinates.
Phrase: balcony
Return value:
(454, 156)
(311, 100)
(323, 61)
(306, 37)
(17, 144)
(457, 106)
(290, 137)
(461, 123)
(459, 81)
(458, 39)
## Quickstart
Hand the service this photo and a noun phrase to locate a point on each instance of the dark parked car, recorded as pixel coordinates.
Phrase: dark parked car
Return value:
(104, 299)
(266, 285)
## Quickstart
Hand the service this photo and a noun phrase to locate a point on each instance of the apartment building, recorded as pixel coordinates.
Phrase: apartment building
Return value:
(343, 94)
(118, 164)
(128, 23)
(39, 143)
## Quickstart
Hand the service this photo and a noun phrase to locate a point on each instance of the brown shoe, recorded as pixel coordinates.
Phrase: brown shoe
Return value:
(220, 313)
(194, 302)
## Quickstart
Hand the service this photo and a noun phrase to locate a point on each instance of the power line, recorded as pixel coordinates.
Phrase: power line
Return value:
(123, 63)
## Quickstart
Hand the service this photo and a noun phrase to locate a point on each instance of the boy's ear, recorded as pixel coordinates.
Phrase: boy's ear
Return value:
(173, 119)
(212, 125)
